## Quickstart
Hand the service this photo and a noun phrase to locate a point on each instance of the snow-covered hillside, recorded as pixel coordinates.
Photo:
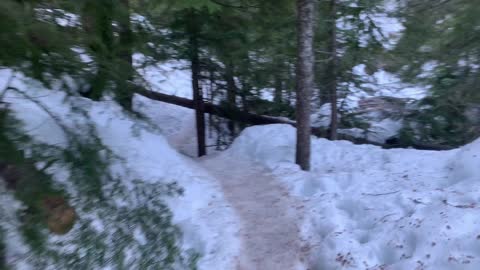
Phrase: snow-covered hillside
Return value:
(207, 222)
(361, 207)
(107, 106)
(369, 208)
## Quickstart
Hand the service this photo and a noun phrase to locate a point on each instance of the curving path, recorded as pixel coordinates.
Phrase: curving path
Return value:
(270, 216)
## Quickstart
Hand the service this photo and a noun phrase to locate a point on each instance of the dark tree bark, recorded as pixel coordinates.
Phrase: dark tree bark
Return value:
(278, 81)
(211, 96)
(194, 31)
(245, 87)
(332, 71)
(243, 96)
(304, 79)
(124, 53)
(126, 33)
(278, 94)
(97, 22)
(231, 93)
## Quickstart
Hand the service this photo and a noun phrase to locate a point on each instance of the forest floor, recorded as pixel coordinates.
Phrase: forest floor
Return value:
(270, 216)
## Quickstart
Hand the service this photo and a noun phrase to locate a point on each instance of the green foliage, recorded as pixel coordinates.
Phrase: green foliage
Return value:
(30, 185)
(441, 118)
(35, 44)
(82, 173)
(197, 4)
(445, 40)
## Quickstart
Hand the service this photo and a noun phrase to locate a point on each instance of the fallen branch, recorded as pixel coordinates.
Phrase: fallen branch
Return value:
(384, 218)
(256, 119)
(239, 115)
(380, 194)
(464, 206)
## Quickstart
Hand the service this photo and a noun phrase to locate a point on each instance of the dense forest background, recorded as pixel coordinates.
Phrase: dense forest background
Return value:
(243, 57)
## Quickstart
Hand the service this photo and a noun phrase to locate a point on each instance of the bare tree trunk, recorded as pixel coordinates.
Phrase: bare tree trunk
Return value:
(231, 93)
(197, 91)
(97, 23)
(278, 95)
(304, 80)
(125, 93)
(332, 71)
(211, 96)
(243, 97)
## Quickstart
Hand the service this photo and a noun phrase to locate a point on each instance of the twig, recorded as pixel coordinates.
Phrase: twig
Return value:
(383, 219)
(465, 206)
(7, 86)
(380, 194)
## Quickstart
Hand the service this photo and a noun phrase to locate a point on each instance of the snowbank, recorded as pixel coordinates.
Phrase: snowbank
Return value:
(176, 123)
(371, 208)
(466, 164)
(205, 218)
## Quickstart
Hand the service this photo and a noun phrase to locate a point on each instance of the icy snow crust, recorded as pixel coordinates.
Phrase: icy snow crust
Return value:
(369, 208)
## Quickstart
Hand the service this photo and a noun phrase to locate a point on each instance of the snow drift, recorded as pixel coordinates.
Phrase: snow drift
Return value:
(371, 208)
(206, 220)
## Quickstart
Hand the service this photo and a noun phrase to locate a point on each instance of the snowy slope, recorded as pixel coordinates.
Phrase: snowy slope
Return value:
(363, 207)
(370, 208)
(176, 123)
(207, 221)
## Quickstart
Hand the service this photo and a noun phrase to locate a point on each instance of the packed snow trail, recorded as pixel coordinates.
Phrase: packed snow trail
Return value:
(271, 217)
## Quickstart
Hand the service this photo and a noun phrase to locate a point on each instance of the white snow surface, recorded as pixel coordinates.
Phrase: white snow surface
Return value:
(361, 207)
(383, 83)
(365, 207)
(369, 208)
(172, 77)
(270, 217)
(208, 223)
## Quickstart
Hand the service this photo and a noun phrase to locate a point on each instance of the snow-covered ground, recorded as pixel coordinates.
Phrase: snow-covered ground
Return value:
(361, 207)
(250, 207)
(370, 208)
(207, 221)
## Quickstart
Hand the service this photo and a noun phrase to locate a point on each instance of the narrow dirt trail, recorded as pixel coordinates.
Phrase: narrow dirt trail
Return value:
(270, 216)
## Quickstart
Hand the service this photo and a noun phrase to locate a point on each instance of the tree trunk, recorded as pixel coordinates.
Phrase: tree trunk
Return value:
(304, 80)
(97, 23)
(243, 97)
(278, 94)
(332, 71)
(197, 91)
(125, 50)
(211, 96)
(231, 93)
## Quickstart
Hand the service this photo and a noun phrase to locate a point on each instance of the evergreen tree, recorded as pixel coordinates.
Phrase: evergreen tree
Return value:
(441, 51)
